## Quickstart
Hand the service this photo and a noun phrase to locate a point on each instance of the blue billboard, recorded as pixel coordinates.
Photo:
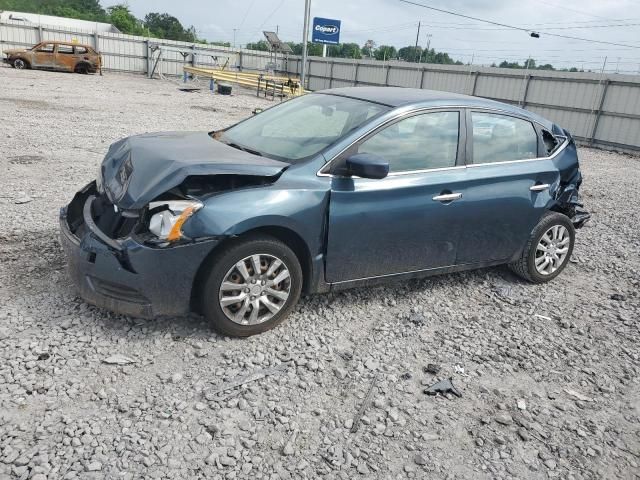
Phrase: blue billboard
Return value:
(326, 30)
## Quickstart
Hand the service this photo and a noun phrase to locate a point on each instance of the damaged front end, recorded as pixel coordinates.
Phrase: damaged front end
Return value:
(117, 263)
(123, 234)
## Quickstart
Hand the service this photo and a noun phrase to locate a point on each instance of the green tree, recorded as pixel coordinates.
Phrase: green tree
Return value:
(260, 45)
(122, 18)
(368, 49)
(386, 52)
(167, 26)
(344, 50)
(410, 53)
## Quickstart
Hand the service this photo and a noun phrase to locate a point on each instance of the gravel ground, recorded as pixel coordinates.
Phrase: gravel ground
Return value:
(548, 374)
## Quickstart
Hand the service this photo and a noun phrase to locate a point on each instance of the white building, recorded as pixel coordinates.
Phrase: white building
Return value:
(32, 19)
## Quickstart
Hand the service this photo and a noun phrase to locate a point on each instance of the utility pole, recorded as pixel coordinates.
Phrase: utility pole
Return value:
(417, 40)
(428, 46)
(234, 37)
(305, 37)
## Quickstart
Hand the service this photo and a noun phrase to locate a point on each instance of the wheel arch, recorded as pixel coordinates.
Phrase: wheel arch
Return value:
(286, 235)
(23, 58)
(82, 64)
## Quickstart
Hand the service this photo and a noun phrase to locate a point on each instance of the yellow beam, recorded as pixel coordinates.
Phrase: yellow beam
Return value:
(246, 79)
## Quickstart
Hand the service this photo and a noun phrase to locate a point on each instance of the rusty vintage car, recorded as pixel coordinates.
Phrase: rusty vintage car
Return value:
(61, 56)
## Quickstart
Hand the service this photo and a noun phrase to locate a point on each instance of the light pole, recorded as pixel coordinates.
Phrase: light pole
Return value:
(234, 37)
(305, 37)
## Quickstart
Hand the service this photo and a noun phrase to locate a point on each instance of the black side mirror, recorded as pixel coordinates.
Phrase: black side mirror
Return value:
(367, 165)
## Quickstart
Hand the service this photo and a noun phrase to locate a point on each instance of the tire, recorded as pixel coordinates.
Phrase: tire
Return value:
(82, 69)
(222, 267)
(20, 64)
(525, 266)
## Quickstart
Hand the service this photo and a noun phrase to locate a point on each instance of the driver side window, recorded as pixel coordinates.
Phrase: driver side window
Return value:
(45, 48)
(419, 142)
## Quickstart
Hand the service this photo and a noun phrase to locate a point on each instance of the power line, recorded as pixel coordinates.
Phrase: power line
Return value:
(564, 7)
(513, 27)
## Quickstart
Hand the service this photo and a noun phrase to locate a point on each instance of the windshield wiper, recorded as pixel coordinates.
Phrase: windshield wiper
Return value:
(245, 149)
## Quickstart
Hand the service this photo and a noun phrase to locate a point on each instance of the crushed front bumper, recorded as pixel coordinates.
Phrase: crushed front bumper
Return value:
(124, 275)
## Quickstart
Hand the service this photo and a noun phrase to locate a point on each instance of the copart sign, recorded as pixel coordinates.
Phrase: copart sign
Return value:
(326, 30)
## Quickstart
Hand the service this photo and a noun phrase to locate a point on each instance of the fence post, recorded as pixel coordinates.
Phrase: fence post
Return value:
(331, 74)
(240, 60)
(475, 82)
(422, 78)
(599, 111)
(355, 75)
(386, 77)
(526, 90)
(148, 55)
(40, 36)
(96, 41)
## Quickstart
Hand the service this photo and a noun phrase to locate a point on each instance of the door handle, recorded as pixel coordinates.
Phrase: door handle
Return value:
(540, 187)
(447, 197)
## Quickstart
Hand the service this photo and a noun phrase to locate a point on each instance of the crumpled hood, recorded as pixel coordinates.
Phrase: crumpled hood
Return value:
(138, 169)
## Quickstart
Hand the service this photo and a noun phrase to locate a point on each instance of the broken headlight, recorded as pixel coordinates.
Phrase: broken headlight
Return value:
(168, 217)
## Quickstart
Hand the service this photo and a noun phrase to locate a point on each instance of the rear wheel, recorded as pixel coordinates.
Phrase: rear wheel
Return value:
(20, 64)
(548, 249)
(251, 287)
(82, 68)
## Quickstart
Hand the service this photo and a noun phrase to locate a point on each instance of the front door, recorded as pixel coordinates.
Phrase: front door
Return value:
(43, 56)
(408, 221)
(507, 189)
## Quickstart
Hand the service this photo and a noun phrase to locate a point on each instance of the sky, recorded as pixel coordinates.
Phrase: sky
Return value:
(392, 22)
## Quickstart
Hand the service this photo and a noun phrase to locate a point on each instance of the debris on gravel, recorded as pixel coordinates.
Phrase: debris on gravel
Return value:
(550, 373)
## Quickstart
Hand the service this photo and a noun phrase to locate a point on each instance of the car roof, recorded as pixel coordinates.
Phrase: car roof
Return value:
(400, 96)
(61, 42)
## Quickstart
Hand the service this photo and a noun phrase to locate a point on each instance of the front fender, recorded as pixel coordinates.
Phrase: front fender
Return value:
(231, 214)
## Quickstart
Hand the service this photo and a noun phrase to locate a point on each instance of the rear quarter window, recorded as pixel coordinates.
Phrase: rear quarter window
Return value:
(81, 50)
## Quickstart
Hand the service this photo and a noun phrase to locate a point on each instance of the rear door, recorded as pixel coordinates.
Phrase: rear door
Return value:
(507, 189)
(410, 220)
(65, 58)
(43, 56)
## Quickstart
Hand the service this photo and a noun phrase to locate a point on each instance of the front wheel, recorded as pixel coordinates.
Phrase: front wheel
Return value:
(20, 64)
(548, 249)
(252, 285)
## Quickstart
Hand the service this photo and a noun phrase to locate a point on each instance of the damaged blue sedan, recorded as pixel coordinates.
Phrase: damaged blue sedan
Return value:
(334, 189)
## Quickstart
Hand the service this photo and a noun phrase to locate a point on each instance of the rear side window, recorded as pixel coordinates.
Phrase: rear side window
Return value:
(500, 138)
(550, 142)
(81, 50)
(420, 142)
(65, 49)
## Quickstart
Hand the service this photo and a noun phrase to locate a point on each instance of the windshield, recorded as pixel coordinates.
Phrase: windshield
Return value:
(300, 127)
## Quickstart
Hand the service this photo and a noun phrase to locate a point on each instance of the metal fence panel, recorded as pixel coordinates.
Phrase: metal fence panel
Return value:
(603, 110)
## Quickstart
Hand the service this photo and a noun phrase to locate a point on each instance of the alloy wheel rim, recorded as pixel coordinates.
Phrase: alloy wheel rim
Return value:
(255, 289)
(19, 64)
(552, 250)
